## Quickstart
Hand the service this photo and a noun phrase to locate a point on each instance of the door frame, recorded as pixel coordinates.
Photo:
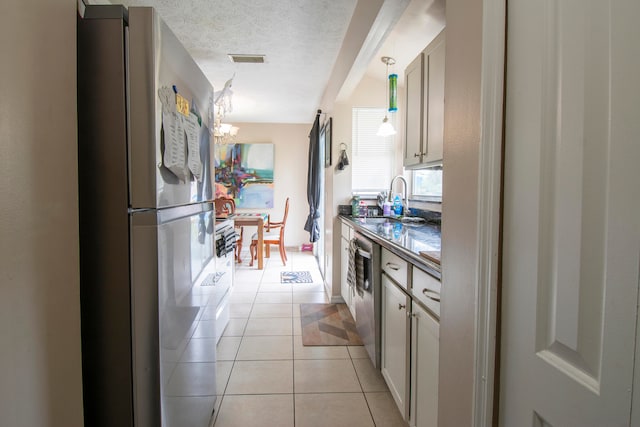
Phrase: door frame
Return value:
(490, 170)
(320, 249)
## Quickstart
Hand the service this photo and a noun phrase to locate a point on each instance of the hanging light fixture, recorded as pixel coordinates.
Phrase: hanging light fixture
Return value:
(386, 128)
(224, 133)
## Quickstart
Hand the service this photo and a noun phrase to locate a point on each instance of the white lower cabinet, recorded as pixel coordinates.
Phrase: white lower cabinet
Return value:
(345, 290)
(344, 271)
(425, 338)
(410, 350)
(395, 340)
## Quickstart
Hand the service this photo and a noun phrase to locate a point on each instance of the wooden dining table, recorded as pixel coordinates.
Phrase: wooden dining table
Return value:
(257, 220)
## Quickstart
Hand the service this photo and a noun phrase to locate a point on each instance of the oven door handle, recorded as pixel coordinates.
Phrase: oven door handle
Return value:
(364, 253)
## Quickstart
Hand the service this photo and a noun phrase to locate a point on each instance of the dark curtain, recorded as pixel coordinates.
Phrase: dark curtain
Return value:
(313, 182)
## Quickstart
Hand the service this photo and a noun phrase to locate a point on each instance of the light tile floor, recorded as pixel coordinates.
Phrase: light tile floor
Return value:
(267, 378)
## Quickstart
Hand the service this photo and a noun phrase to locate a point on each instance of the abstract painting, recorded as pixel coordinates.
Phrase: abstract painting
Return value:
(245, 172)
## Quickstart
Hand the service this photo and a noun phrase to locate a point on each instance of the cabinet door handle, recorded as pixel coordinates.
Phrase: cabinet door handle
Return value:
(432, 295)
(393, 266)
(417, 154)
(401, 306)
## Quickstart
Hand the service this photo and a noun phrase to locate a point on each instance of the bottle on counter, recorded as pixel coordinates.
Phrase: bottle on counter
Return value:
(363, 209)
(355, 206)
(386, 208)
(397, 206)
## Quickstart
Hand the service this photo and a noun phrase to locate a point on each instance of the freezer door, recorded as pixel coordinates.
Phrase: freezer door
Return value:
(174, 344)
(169, 152)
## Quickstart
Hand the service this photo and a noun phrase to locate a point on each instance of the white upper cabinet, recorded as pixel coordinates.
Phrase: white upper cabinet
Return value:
(413, 131)
(424, 80)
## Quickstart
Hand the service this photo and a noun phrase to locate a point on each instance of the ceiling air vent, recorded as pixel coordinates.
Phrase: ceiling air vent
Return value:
(246, 59)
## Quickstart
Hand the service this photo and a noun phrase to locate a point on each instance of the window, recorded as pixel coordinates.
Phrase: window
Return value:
(373, 156)
(427, 184)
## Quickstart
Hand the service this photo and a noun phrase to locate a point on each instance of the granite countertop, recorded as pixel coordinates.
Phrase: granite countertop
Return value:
(418, 243)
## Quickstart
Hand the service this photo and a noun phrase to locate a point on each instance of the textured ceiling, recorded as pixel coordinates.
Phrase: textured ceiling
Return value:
(316, 50)
(300, 38)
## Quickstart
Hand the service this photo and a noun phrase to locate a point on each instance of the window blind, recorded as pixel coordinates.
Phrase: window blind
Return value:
(373, 156)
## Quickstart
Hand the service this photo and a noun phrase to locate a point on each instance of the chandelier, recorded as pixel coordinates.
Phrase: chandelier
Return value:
(223, 133)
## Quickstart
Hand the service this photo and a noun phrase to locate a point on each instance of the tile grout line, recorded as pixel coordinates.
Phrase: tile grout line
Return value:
(293, 364)
(293, 373)
(364, 396)
(293, 355)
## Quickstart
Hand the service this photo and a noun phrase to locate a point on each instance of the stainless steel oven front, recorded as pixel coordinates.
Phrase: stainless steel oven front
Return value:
(368, 296)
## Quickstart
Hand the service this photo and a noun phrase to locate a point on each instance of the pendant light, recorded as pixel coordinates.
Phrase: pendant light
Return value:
(386, 128)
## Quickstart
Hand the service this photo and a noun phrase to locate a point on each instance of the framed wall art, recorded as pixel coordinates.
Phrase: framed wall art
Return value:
(245, 172)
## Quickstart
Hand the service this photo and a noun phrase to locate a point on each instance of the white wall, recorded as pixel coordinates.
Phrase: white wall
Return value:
(462, 134)
(368, 93)
(459, 227)
(291, 146)
(40, 363)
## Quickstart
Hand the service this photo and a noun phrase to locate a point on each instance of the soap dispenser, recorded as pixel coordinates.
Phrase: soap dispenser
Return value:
(397, 205)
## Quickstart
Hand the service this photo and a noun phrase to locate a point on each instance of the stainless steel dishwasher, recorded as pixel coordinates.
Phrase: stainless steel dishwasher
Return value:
(367, 296)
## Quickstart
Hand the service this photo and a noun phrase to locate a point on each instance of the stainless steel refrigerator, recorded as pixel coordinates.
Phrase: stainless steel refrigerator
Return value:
(146, 224)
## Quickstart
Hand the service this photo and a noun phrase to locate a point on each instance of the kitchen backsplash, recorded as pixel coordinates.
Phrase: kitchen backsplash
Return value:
(432, 217)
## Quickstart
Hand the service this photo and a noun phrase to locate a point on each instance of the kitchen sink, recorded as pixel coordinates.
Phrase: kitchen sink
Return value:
(415, 236)
(407, 220)
(375, 220)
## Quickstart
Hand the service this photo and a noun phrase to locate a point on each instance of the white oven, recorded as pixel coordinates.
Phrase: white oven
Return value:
(225, 244)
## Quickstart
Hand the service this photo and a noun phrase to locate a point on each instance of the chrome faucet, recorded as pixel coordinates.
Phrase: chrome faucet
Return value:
(405, 204)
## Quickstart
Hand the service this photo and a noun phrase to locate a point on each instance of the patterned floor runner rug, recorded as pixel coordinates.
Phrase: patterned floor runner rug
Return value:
(328, 324)
(295, 277)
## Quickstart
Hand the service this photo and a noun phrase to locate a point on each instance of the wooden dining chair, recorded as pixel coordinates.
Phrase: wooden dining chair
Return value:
(273, 235)
(224, 207)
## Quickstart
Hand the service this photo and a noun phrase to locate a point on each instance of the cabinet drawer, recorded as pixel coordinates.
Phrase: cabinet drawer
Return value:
(396, 268)
(426, 289)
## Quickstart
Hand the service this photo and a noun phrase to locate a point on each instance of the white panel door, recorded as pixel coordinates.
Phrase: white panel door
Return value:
(571, 213)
